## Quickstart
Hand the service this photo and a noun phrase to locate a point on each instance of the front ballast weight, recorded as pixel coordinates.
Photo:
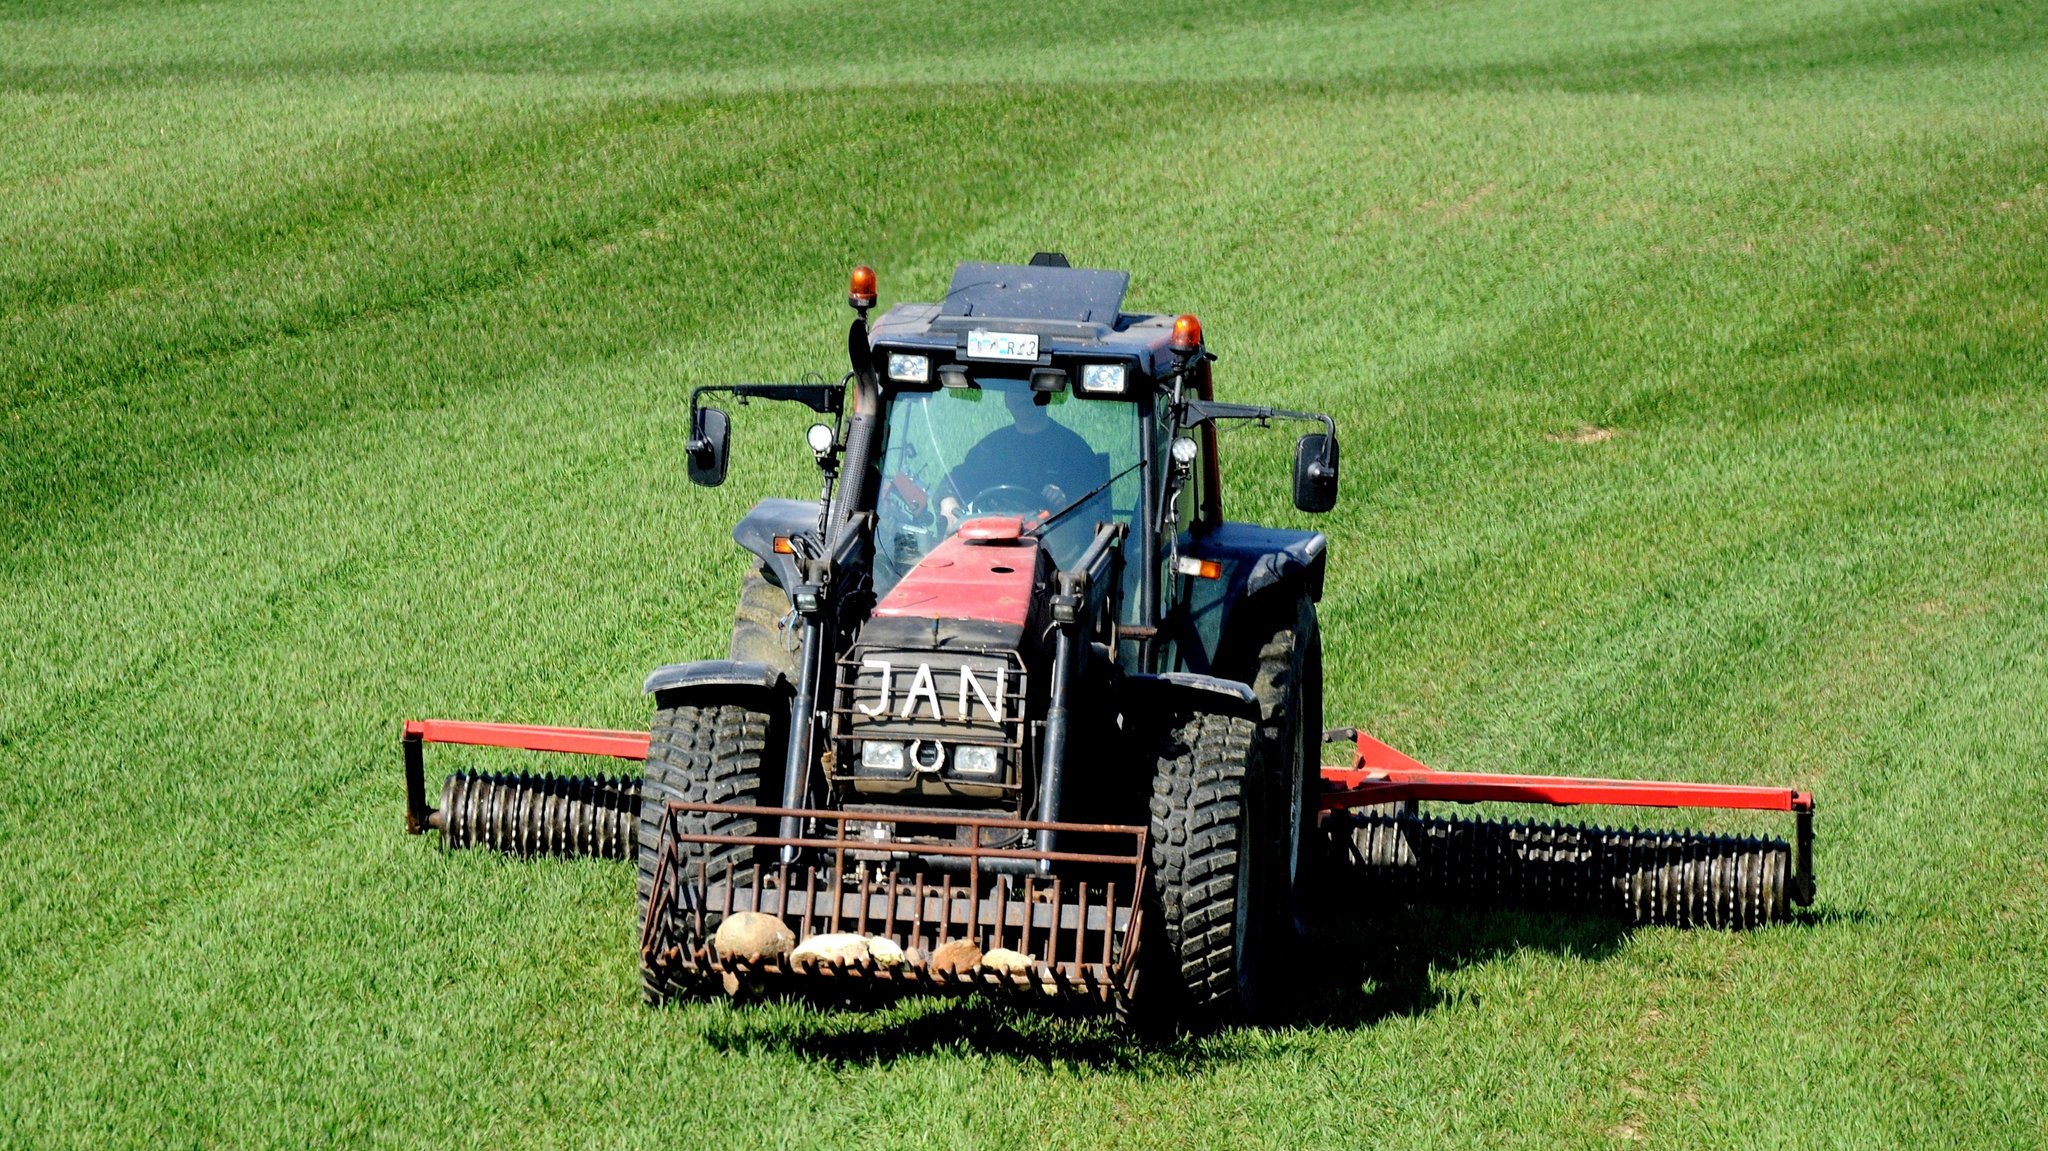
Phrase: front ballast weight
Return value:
(1674, 878)
(904, 910)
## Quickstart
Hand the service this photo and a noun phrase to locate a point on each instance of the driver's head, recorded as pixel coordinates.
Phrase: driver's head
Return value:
(1027, 410)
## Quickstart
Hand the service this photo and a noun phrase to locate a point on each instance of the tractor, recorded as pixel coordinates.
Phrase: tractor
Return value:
(1013, 707)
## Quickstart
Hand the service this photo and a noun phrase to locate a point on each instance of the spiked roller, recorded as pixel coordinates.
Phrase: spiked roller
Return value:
(540, 814)
(1682, 879)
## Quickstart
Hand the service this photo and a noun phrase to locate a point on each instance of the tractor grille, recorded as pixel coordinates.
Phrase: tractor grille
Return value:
(956, 695)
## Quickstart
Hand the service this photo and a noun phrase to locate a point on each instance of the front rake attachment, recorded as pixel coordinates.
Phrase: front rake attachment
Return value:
(1071, 933)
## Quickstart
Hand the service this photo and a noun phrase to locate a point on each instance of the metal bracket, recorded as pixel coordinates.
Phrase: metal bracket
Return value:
(417, 813)
(1802, 848)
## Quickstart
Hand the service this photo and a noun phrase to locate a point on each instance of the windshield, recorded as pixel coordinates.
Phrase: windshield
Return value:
(1003, 449)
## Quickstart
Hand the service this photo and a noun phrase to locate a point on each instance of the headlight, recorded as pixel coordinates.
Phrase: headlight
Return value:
(978, 761)
(1103, 379)
(880, 757)
(909, 369)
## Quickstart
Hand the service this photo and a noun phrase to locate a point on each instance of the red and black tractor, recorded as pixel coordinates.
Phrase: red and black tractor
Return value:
(1012, 706)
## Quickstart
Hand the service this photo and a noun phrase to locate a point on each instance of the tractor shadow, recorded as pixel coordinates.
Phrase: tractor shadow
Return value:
(1388, 961)
(852, 1035)
(1380, 962)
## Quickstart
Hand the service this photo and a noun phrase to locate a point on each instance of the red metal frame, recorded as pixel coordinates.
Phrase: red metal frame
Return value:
(531, 737)
(1380, 774)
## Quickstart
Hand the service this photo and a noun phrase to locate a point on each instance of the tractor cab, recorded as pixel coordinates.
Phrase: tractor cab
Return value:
(998, 448)
(1029, 391)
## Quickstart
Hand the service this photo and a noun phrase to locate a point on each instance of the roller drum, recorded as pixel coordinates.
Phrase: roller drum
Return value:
(1679, 878)
(541, 814)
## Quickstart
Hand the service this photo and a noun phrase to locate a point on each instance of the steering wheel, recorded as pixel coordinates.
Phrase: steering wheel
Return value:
(1004, 499)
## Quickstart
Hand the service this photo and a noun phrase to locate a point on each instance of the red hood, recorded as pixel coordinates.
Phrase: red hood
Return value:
(985, 572)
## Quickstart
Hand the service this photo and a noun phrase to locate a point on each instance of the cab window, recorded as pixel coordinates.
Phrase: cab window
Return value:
(1000, 448)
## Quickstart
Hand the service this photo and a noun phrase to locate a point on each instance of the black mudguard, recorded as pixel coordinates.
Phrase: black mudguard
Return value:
(1260, 565)
(675, 684)
(757, 530)
(1256, 558)
(1156, 694)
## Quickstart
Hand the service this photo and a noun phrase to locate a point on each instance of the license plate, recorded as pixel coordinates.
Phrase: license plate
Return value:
(1002, 346)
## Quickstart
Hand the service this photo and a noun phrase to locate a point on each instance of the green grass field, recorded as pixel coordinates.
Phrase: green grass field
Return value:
(344, 356)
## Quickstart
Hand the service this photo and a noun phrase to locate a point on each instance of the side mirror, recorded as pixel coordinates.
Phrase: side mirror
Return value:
(709, 441)
(1315, 472)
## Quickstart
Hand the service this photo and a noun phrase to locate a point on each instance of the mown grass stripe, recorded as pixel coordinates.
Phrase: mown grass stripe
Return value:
(342, 365)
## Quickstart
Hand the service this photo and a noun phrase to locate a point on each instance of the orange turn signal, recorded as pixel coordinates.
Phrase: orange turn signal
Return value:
(783, 547)
(1200, 569)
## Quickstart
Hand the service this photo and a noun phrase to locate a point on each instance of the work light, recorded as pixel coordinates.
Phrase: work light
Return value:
(906, 369)
(1102, 379)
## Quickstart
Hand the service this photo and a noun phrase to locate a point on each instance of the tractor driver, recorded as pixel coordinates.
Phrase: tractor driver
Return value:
(1032, 465)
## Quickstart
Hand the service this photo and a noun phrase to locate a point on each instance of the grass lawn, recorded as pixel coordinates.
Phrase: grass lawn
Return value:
(344, 358)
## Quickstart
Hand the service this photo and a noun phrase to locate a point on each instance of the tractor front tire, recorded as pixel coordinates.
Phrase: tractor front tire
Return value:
(1196, 963)
(723, 753)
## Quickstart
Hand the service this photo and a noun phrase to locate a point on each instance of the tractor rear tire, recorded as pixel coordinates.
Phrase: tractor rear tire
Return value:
(1197, 963)
(758, 635)
(1289, 688)
(723, 753)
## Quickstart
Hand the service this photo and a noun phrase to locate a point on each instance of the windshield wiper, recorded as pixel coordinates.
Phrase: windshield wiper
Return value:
(1097, 490)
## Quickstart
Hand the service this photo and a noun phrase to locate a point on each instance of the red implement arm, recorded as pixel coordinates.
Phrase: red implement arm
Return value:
(530, 737)
(1380, 774)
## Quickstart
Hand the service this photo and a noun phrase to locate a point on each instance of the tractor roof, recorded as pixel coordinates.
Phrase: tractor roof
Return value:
(1076, 313)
